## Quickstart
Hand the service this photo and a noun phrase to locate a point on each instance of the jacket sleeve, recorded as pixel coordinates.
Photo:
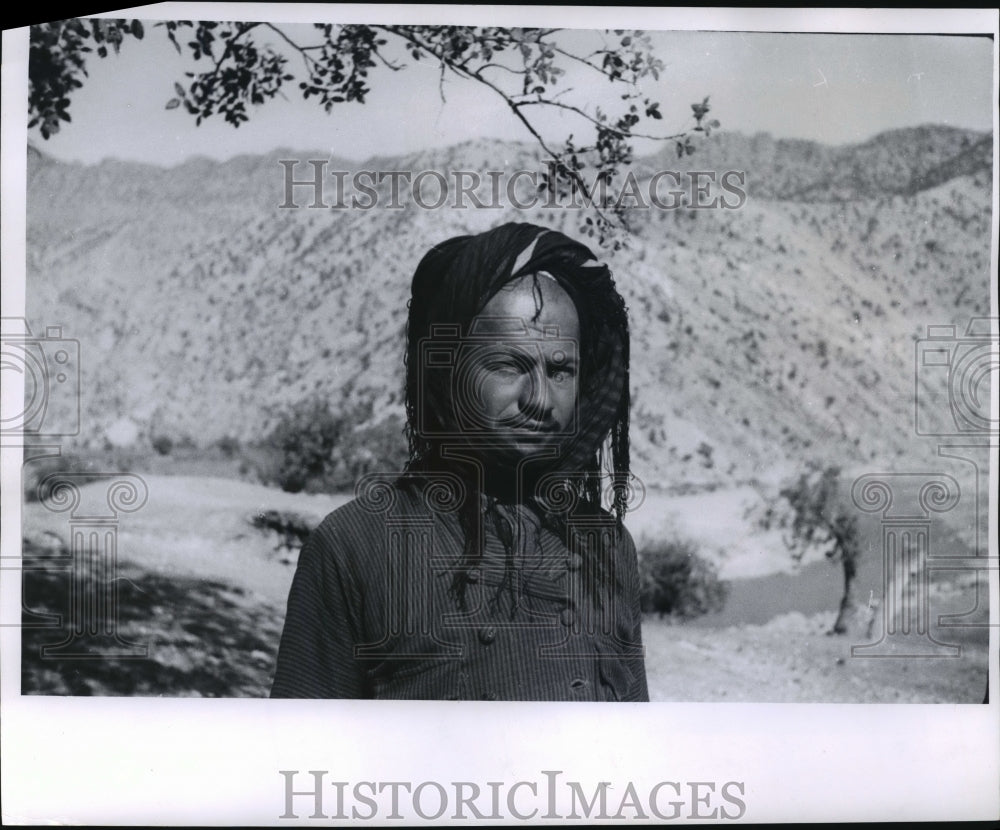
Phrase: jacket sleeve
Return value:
(316, 653)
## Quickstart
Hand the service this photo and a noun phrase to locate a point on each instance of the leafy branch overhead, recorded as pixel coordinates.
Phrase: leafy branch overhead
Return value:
(238, 66)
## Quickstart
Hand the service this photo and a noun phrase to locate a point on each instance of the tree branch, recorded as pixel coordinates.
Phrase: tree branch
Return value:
(596, 123)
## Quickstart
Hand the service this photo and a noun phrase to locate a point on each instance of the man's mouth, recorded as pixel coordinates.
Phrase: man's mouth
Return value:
(533, 427)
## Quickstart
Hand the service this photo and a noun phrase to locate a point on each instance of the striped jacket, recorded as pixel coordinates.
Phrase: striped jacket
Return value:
(370, 614)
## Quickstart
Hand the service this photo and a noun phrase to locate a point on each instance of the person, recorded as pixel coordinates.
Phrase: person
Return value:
(488, 569)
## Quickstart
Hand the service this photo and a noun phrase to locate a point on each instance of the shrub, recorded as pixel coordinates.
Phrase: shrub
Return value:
(292, 528)
(304, 438)
(675, 580)
(228, 446)
(315, 449)
(163, 444)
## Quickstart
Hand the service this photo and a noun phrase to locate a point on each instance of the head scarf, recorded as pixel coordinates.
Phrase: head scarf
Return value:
(457, 278)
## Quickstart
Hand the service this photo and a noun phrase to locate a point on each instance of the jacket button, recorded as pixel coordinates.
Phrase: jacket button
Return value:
(487, 635)
(567, 616)
(473, 575)
(489, 695)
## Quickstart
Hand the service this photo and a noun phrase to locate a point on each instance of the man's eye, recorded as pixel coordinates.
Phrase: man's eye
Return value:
(505, 366)
(562, 374)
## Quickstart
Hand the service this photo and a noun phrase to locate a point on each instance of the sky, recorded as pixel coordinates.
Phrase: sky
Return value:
(833, 88)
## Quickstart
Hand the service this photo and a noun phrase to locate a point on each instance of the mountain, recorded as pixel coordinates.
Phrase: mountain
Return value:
(903, 161)
(762, 335)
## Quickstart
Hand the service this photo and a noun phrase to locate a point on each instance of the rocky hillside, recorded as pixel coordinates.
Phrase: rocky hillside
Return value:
(903, 161)
(762, 335)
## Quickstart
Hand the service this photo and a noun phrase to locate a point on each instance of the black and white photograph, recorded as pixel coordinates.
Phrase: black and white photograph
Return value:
(419, 371)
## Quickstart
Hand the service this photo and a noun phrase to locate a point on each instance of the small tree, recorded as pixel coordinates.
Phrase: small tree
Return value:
(821, 518)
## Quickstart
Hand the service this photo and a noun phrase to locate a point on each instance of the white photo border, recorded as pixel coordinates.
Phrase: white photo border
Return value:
(218, 762)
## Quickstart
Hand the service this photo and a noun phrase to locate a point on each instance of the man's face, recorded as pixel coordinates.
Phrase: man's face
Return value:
(525, 379)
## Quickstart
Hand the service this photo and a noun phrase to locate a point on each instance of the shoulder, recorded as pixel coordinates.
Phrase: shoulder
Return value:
(626, 544)
(627, 541)
(360, 524)
(354, 544)
(623, 539)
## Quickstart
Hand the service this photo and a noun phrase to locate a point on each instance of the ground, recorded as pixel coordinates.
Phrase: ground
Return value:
(792, 659)
(203, 591)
